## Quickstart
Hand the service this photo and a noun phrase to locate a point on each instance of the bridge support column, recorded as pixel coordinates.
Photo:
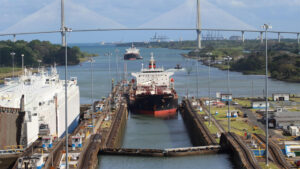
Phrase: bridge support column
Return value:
(278, 37)
(14, 39)
(261, 37)
(298, 38)
(199, 39)
(198, 24)
(243, 36)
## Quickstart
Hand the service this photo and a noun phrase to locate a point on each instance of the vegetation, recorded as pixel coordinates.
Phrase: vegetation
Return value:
(271, 165)
(243, 102)
(248, 57)
(38, 51)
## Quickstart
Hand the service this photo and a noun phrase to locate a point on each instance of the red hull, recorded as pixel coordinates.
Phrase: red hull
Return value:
(159, 113)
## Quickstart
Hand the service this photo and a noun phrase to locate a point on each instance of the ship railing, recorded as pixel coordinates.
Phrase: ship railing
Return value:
(9, 110)
(12, 149)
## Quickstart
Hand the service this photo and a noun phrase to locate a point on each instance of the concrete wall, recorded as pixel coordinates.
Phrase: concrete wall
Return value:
(193, 127)
(284, 96)
(230, 146)
(118, 131)
(10, 128)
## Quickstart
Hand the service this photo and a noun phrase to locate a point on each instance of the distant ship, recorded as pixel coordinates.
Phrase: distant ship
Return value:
(33, 105)
(153, 92)
(132, 53)
(178, 66)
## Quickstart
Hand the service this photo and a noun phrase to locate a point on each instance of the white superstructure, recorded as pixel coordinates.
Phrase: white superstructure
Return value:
(43, 103)
(153, 80)
(132, 50)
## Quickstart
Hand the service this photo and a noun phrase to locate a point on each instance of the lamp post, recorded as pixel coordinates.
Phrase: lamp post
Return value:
(117, 64)
(22, 62)
(197, 50)
(228, 58)
(266, 27)
(13, 62)
(64, 32)
(209, 97)
(92, 88)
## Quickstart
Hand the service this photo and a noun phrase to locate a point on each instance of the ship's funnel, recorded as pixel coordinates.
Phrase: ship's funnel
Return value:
(152, 64)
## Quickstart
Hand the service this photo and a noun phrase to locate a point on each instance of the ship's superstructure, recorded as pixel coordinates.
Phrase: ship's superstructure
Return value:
(34, 105)
(132, 53)
(154, 92)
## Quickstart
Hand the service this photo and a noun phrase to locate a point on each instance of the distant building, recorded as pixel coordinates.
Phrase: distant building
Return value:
(235, 38)
(226, 97)
(259, 104)
(281, 96)
(159, 38)
(218, 95)
(285, 119)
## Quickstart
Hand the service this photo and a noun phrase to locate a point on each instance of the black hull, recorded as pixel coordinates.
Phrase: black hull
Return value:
(132, 56)
(157, 105)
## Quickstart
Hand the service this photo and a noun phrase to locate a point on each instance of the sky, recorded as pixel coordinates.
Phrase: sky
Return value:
(44, 15)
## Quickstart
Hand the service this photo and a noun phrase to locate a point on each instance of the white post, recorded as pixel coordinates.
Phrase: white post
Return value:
(198, 24)
(209, 97)
(267, 114)
(266, 27)
(261, 37)
(13, 62)
(278, 37)
(66, 98)
(228, 90)
(63, 23)
(14, 40)
(298, 38)
(243, 36)
(66, 95)
(22, 62)
(92, 96)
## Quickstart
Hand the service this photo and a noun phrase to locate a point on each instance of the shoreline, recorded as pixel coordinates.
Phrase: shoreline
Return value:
(222, 67)
(19, 72)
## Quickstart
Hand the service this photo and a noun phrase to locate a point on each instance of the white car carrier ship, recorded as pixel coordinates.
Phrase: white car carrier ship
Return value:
(33, 105)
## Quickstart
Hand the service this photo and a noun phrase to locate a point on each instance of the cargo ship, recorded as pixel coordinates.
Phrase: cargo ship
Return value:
(132, 53)
(33, 105)
(153, 92)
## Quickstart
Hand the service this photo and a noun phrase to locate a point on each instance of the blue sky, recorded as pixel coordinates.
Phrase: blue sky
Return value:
(44, 15)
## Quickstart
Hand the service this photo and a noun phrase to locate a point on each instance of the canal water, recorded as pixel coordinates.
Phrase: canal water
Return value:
(148, 132)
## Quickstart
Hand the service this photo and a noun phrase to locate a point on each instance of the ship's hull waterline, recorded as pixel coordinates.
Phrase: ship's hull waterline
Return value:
(155, 105)
(132, 56)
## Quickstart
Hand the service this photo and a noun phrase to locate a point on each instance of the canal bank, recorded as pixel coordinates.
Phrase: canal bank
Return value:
(145, 132)
(159, 134)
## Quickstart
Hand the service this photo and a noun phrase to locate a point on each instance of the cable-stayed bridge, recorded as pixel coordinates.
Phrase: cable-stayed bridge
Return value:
(147, 26)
